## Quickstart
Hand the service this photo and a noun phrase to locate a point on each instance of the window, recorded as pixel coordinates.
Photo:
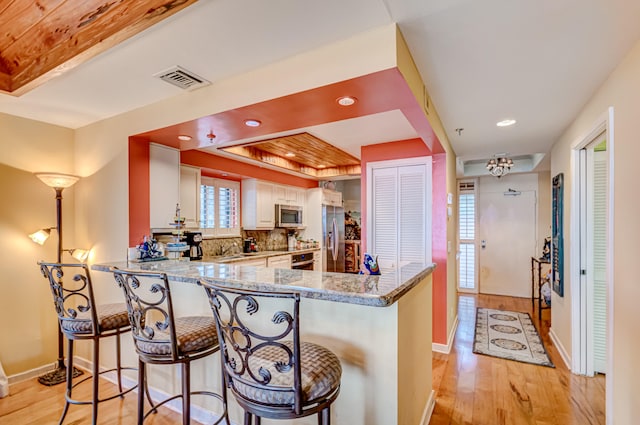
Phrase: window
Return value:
(219, 207)
(466, 236)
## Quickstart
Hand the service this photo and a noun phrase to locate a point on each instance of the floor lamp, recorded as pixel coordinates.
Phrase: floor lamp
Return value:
(58, 182)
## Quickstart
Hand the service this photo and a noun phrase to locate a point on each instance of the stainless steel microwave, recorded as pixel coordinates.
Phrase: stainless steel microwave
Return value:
(288, 216)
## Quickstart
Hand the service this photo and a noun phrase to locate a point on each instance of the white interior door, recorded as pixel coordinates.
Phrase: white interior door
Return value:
(507, 232)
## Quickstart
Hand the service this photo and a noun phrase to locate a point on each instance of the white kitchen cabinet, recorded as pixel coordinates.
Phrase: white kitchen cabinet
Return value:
(261, 262)
(331, 197)
(164, 185)
(258, 210)
(279, 262)
(190, 195)
(288, 195)
(324, 196)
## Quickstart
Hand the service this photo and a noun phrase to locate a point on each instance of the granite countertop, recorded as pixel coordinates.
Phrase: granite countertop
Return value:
(235, 258)
(379, 291)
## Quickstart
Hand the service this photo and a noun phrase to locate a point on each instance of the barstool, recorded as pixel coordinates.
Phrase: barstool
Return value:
(161, 338)
(271, 373)
(81, 319)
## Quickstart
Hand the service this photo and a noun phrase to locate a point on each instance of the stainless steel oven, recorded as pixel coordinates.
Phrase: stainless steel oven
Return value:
(302, 261)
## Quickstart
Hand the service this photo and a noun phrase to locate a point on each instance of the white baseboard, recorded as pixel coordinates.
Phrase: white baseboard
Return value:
(560, 348)
(198, 414)
(24, 376)
(446, 348)
(428, 409)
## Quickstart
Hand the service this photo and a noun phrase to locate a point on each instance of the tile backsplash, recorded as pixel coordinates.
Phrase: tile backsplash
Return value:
(267, 240)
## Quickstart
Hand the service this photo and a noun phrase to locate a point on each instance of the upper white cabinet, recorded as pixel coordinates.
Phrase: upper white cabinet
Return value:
(258, 211)
(259, 199)
(288, 195)
(164, 185)
(190, 195)
(331, 197)
(327, 196)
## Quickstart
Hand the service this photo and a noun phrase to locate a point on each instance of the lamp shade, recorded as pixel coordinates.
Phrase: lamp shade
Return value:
(40, 236)
(79, 254)
(58, 180)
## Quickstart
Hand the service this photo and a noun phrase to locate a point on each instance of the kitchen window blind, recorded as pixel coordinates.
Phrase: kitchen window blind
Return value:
(219, 207)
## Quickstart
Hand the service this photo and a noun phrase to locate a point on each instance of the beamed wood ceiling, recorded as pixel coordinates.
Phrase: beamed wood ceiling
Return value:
(42, 39)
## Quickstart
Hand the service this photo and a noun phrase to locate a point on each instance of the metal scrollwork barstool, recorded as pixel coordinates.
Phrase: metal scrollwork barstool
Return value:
(163, 339)
(271, 373)
(81, 319)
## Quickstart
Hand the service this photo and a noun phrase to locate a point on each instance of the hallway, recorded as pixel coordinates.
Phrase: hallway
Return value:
(481, 390)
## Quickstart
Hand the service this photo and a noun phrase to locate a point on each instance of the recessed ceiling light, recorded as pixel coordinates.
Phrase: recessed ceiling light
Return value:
(322, 166)
(346, 100)
(290, 154)
(505, 123)
(252, 123)
(184, 137)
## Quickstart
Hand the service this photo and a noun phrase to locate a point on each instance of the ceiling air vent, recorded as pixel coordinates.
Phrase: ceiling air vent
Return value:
(182, 78)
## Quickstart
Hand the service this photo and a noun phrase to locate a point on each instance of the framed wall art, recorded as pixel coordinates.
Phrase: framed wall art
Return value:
(557, 239)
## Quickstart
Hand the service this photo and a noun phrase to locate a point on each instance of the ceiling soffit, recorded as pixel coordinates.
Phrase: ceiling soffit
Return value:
(302, 153)
(41, 40)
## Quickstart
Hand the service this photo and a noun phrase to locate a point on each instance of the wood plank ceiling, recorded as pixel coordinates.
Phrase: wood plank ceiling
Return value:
(40, 40)
(303, 153)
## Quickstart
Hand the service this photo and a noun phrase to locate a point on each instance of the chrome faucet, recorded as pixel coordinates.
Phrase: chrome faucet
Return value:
(225, 249)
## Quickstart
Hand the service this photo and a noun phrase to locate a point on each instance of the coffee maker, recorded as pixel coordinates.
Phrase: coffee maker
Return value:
(193, 239)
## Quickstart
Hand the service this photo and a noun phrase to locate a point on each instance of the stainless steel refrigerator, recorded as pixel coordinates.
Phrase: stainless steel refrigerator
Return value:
(333, 238)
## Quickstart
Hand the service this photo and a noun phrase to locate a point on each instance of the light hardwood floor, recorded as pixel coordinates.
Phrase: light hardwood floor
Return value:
(470, 389)
(32, 403)
(482, 390)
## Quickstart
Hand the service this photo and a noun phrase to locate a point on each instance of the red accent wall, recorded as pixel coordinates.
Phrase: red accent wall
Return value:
(410, 149)
(139, 197)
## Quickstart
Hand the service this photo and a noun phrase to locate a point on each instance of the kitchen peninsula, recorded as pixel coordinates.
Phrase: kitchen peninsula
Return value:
(379, 326)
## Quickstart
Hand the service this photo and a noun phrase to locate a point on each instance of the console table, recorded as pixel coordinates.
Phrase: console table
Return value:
(536, 277)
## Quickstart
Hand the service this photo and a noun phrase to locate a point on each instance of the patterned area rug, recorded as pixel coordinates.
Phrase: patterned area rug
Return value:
(509, 335)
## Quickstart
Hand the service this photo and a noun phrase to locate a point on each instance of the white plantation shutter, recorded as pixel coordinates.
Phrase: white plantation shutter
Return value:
(385, 229)
(412, 213)
(207, 206)
(600, 261)
(466, 235)
(400, 211)
(219, 207)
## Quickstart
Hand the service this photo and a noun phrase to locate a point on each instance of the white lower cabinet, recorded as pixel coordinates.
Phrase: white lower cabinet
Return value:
(279, 262)
(262, 262)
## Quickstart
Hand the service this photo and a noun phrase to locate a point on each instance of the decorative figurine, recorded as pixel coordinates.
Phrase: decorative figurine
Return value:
(148, 249)
(370, 265)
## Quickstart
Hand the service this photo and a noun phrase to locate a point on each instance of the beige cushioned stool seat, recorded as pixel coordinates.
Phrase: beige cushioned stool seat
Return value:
(321, 372)
(110, 317)
(193, 334)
